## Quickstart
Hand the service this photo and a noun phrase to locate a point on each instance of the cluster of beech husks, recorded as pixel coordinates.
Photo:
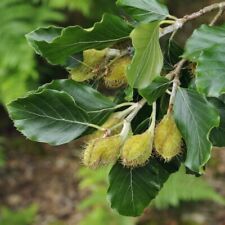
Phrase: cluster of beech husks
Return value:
(107, 65)
(103, 148)
(133, 150)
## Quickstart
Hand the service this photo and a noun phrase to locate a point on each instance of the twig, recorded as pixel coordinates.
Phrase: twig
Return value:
(176, 82)
(140, 104)
(153, 118)
(217, 16)
(127, 121)
(180, 22)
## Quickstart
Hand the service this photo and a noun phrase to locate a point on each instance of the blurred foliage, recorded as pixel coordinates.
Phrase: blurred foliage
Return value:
(24, 216)
(17, 63)
(178, 188)
(18, 72)
(183, 187)
(2, 152)
(98, 211)
(89, 8)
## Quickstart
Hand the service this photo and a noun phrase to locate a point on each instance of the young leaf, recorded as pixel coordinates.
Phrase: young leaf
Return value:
(131, 190)
(58, 45)
(203, 38)
(49, 116)
(144, 11)
(217, 136)
(156, 89)
(211, 71)
(148, 59)
(195, 117)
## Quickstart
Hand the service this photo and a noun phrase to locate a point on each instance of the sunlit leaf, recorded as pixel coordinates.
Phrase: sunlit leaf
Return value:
(148, 59)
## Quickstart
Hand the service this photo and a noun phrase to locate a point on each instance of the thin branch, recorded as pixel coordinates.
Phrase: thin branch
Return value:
(175, 74)
(217, 16)
(140, 104)
(180, 22)
(127, 121)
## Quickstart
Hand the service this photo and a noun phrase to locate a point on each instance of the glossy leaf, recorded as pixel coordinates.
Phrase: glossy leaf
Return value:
(58, 45)
(195, 118)
(49, 116)
(144, 10)
(217, 136)
(131, 190)
(84, 95)
(156, 89)
(203, 38)
(211, 71)
(148, 59)
(90, 100)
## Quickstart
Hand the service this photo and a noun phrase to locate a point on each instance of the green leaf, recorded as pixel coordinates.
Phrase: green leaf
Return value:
(195, 117)
(217, 136)
(98, 106)
(148, 59)
(131, 190)
(211, 71)
(143, 10)
(17, 61)
(156, 89)
(85, 96)
(203, 38)
(183, 187)
(49, 116)
(58, 45)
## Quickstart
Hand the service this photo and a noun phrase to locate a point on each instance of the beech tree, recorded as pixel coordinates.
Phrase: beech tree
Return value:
(144, 107)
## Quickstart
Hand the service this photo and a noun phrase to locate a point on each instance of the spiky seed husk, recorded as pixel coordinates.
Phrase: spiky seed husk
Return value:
(91, 60)
(102, 151)
(137, 150)
(116, 77)
(167, 140)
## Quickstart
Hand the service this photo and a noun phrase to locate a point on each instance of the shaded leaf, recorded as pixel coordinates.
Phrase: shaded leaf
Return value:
(203, 38)
(144, 10)
(195, 117)
(58, 45)
(211, 71)
(131, 190)
(49, 116)
(148, 59)
(217, 136)
(156, 89)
